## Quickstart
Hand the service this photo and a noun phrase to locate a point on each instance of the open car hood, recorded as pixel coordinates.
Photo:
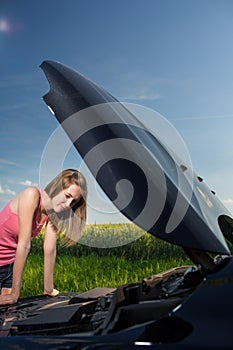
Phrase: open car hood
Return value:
(146, 182)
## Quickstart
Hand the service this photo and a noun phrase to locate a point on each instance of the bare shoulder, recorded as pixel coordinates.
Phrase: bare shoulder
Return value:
(27, 198)
(30, 193)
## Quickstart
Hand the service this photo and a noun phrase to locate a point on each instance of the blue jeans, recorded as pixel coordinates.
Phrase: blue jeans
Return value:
(6, 276)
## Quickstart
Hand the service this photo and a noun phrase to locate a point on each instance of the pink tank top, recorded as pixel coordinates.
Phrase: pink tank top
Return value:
(9, 227)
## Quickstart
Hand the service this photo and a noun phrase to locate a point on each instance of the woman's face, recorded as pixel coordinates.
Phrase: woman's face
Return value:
(66, 198)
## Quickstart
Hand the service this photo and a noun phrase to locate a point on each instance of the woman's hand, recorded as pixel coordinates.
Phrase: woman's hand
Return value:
(8, 299)
(53, 293)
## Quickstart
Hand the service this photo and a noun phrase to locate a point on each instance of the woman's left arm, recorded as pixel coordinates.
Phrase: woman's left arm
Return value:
(50, 241)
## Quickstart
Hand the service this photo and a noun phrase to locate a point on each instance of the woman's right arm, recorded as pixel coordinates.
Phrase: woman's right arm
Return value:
(27, 203)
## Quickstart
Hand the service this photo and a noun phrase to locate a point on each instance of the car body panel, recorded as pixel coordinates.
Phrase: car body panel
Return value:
(93, 118)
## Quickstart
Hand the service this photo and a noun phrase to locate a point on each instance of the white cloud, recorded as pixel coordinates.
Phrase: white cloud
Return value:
(219, 116)
(11, 192)
(27, 183)
(142, 96)
(228, 201)
(10, 107)
(6, 162)
(7, 190)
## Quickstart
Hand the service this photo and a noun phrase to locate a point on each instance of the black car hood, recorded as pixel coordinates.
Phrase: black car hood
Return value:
(145, 181)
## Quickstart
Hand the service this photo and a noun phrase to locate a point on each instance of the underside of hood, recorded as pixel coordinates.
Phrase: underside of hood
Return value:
(145, 180)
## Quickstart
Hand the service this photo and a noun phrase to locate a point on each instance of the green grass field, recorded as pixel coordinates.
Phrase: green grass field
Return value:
(81, 267)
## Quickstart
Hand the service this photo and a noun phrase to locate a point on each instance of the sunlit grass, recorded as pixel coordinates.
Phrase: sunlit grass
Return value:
(80, 268)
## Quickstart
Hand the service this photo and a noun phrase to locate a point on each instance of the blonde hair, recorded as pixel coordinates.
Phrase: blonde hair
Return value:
(71, 222)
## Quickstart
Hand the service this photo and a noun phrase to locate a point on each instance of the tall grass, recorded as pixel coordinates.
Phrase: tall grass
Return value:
(81, 267)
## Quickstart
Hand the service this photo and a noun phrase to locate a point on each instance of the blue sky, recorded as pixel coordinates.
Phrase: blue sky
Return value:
(174, 56)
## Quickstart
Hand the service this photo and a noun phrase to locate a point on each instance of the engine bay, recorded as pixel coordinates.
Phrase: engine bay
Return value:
(102, 310)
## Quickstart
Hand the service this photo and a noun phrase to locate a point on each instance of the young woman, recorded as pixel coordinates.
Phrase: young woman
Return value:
(61, 207)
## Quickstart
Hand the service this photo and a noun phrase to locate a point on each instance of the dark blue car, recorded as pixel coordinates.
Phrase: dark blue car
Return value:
(188, 307)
